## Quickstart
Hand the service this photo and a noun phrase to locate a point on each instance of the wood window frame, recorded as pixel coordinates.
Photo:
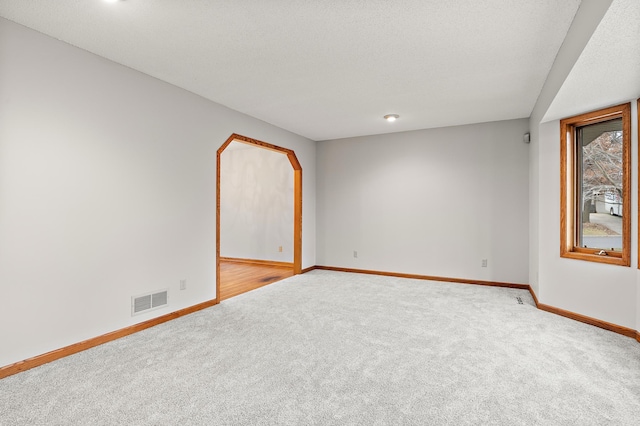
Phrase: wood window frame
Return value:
(569, 212)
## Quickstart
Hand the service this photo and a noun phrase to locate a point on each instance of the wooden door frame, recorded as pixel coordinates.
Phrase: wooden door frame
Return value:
(297, 201)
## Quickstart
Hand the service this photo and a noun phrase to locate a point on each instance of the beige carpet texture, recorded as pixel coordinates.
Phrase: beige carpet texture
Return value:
(333, 348)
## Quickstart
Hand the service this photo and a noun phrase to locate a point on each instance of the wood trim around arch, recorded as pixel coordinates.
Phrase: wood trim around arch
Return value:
(297, 200)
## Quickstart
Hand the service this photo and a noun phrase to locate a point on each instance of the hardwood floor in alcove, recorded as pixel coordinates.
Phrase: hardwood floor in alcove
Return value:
(237, 278)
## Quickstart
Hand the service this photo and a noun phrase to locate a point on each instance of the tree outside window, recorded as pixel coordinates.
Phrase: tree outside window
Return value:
(595, 179)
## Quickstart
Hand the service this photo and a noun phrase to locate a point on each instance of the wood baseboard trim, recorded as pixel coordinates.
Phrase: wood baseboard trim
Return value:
(625, 331)
(309, 269)
(535, 298)
(38, 360)
(588, 320)
(258, 262)
(426, 277)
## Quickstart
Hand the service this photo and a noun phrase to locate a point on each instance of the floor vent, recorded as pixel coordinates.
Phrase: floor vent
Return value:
(519, 299)
(149, 301)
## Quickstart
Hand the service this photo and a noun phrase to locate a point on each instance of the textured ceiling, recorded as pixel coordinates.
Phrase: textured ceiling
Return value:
(608, 69)
(327, 69)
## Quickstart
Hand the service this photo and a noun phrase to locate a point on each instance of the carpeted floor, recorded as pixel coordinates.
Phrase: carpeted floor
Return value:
(329, 348)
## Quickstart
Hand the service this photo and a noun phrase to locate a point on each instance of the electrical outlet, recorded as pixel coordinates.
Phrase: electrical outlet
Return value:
(183, 284)
(355, 254)
(280, 249)
(484, 263)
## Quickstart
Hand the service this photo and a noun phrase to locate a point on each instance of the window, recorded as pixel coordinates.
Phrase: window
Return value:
(596, 186)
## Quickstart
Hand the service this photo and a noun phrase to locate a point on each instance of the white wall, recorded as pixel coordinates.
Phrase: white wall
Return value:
(585, 22)
(635, 160)
(638, 304)
(534, 221)
(256, 204)
(606, 292)
(431, 202)
(107, 190)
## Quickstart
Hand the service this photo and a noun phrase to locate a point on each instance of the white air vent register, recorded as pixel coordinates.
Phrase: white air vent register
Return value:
(149, 301)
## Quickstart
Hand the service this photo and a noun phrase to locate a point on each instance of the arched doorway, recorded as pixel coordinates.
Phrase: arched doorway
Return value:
(297, 200)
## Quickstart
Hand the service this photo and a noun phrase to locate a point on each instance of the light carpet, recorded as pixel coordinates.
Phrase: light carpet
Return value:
(329, 348)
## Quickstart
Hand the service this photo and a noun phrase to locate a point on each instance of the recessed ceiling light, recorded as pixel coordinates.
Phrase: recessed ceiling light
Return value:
(112, 1)
(391, 117)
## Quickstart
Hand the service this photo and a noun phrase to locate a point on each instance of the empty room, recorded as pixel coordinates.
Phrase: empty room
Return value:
(334, 212)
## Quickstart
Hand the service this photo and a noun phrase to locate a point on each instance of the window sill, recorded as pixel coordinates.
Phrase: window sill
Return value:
(619, 259)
